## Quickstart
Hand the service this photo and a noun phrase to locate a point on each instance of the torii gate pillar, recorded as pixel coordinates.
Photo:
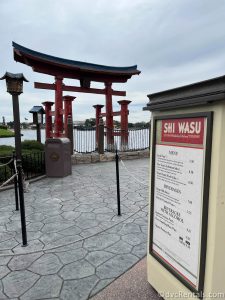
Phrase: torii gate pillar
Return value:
(58, 125)
(98, 110)
(124, 121)
(109, 115)
(67, 111)
(48, 118)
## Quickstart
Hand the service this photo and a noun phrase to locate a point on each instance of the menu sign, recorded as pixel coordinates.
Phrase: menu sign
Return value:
(189, 130)
(177, 208)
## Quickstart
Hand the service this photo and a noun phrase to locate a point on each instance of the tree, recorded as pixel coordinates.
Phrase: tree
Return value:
(90, 122)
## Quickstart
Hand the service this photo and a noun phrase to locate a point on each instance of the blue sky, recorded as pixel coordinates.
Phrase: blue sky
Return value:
(173, 42)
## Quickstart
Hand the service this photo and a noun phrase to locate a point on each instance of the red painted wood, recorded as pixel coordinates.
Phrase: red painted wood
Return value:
(124, 121)
(67, 111)
(67, 73)
(52, 113)
(109, 114)
(98, 114)
(115, 113)
(48, 118)
(44, 86)
(58, 124)
(54, 66)
(69, 88)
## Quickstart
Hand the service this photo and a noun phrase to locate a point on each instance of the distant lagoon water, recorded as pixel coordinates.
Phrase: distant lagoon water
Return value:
(85, 140)
(27, 134)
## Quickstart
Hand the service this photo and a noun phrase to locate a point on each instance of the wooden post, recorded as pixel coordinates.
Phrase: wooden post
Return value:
(124, 123)
(98, 108)
(58, 128)
(109, 115)
(70, 131)
(38, 128)
(101, 136)
(48, 118)
(16, 117)
(68, 112)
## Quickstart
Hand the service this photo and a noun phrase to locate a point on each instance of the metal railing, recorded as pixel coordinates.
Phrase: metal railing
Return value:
(84, 139)
(138, 139)
(135, 139)
(33, 166)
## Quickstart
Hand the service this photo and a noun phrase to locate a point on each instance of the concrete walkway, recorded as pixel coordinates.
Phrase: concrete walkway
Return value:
(132, 285)
(77, 243)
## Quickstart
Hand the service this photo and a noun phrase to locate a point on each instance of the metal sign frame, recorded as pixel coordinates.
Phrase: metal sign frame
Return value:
(204, 218)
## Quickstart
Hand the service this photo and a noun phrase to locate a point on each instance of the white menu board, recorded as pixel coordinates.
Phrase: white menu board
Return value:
(178, 195)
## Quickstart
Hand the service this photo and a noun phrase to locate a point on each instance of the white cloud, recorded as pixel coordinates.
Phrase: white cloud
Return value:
(172, 42)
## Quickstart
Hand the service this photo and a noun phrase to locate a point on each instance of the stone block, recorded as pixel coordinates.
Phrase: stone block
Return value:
(95, 157)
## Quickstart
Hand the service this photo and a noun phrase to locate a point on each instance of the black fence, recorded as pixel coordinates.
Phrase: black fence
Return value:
(137, 139)
(33, 166)
(84, 139)
(133, 140)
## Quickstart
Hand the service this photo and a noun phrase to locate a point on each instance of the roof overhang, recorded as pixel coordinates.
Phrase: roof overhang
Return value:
(199, 93)
(66, 68)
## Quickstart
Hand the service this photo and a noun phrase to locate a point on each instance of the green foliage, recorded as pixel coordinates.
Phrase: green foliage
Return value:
(32, 161)
(139, 125)
(5, 171)
(5, 132)
(6, 150)
(10, 124)
(31, 145)
(90, 122)
(3, 127)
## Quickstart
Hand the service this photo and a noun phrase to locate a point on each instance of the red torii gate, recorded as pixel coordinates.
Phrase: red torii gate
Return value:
(85, 72)
(123, 113)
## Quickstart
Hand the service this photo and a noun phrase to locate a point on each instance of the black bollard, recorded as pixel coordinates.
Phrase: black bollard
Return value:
(22, 206)
(15, 183)
(118, 182)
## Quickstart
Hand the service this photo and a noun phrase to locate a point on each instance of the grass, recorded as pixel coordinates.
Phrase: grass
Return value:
(4, 133)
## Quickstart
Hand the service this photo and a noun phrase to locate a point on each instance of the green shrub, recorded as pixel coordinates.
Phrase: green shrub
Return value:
(6, 133)
(6, 150)
(32, 162)
(3, 127)
(31, 145)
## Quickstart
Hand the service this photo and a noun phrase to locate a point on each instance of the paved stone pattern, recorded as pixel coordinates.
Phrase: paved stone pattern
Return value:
(77, 244)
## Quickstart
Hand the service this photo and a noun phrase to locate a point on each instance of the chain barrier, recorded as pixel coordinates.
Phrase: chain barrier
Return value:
(4, 165)
(7, 181)
(131, 174)
(25, 184)
(13, 176)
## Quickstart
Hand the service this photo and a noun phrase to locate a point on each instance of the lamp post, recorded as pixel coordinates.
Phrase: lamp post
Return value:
(14, 83)
(38, 112)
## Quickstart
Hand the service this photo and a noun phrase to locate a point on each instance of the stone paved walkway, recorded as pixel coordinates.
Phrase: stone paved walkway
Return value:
(77, 244)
